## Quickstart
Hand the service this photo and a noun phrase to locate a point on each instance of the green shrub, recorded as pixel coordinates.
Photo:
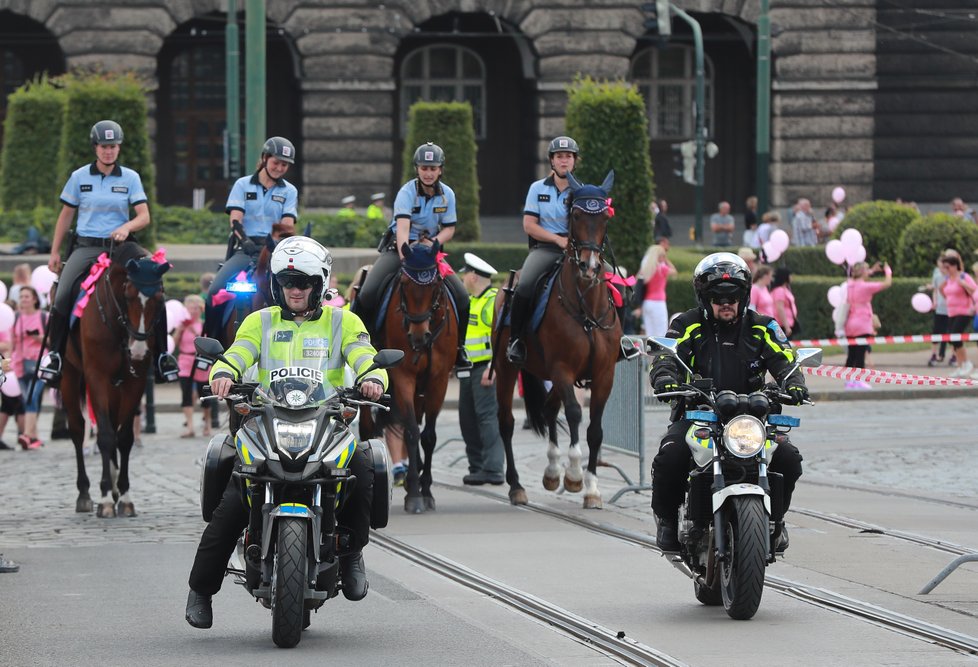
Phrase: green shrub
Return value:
(14, 223)
(118, 97)
(881, 223)
(180, 224)
(35, 112)
(608, 120)
(924, 240)
(448, 124)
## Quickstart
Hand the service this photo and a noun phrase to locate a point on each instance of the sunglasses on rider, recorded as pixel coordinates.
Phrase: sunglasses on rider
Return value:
(294, 281)
(723, 300)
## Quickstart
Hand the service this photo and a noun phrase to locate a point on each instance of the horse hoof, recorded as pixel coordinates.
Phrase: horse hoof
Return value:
(414, 505)
(517, 496)
(551, 483)
(429, 503)
(84, 505)
(105, 510)
(573, 485)
(126, 509)
(592, 502)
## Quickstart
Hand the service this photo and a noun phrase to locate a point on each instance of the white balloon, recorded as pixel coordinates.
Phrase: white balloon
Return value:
(10, 386)
(176, 313)
(838, 194)
(855, 254)
(771, 253)
(3, 291)
(921, 302)
(835, 251)
(835, 296)
(779, 239)
(42, 278)
(851, 237)
(170, 344)
(6, 317)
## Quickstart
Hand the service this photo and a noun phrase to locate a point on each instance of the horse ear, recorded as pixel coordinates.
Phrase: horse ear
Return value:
(132, 266)
(162, 268)
(609, 181)
(574, 183)
(405, 249)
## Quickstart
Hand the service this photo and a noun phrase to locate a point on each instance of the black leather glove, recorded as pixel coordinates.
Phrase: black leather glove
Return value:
(249, 247)
(798, 393)
(663, 384)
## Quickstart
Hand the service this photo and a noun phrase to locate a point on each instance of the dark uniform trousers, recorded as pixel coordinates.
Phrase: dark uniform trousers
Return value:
(231, 518)
(477, 412)
(670, 470)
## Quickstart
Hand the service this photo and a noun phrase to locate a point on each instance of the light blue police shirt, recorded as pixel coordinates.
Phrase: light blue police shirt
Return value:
(102, 201)
(425, 213)
(262, 208)
(549, 205)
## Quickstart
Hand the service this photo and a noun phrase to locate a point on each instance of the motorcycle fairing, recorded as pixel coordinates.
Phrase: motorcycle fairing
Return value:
(721, 496)
(702, 448)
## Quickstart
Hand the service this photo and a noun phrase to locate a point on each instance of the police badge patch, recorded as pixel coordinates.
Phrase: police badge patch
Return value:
(363, 337)
(777, 331)
(283, 336)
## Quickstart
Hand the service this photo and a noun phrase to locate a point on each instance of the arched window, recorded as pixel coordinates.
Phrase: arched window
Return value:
(667, 80)
(444, 73)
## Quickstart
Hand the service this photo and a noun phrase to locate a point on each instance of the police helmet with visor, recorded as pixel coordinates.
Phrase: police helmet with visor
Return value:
(722, 277)
(429, 155)
(106, 133)
(279, 147)
(300, 262)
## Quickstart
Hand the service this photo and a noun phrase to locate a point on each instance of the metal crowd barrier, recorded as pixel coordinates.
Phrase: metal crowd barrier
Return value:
(623, 421)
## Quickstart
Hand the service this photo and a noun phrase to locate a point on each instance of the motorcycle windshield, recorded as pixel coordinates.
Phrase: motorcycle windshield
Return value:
(299, 388)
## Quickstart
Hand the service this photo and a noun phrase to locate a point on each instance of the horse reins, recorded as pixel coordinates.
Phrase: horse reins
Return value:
(408, 318)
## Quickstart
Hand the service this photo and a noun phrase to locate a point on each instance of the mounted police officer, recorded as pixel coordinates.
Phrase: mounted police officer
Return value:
(103, 193)
(256, 203)
(477, 405)
(423, 209)
(545, 222)
(723, 340)
(292, 332)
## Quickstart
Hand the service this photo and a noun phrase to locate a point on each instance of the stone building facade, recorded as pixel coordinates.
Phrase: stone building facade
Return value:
(852, 100)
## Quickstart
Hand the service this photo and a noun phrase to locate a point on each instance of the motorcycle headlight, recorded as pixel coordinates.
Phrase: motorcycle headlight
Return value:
(744, 436)
(294, 440)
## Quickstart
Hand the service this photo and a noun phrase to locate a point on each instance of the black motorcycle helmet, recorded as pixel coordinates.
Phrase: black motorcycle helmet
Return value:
(722, 274)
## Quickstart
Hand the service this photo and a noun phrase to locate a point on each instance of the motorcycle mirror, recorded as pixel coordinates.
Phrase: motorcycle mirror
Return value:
(809, 356)
(631, 347)
(211, 348)
(383, 359)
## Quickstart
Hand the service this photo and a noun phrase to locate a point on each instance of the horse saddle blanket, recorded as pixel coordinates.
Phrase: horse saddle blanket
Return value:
(541, 298)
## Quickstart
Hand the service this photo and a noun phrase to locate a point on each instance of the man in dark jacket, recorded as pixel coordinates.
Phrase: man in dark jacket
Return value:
(723, 340)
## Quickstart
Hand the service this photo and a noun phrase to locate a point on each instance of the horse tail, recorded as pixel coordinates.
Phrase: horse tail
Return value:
(534, 397)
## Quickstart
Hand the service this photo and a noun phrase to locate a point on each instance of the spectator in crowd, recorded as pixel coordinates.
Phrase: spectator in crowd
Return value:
(861, 321)
(748, 255)
(803, 224)
(10, 406)
(722, 225)
(661, 229)
(760, 292)
(770, 221)
(962, 210)
(21, 278)
(958, 289)
(653, 274)
(190, 378)
(938, 276)
(750, 222)
(27, 336)
(785, 310)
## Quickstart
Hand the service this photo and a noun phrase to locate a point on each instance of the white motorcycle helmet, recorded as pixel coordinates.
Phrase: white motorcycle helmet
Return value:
(300, 260)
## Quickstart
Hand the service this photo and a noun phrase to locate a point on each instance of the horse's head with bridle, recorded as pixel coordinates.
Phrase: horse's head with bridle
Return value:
(134, 299)
(421, 304)
(589, 209)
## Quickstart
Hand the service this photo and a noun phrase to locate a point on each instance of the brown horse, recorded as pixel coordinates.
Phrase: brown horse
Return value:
(110, 353)
(577, 343)
(420, 322)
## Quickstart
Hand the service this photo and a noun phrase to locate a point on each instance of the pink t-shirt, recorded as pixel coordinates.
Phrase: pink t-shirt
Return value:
(185, 347)
(655, 288)
(782, 293)
(761, 300)
(859, 294)
(25, 346)
(958, 300)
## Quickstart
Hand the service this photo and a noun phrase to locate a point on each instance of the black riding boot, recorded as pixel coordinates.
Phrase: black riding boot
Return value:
(516, 353)
(354, 576)
(52, 363)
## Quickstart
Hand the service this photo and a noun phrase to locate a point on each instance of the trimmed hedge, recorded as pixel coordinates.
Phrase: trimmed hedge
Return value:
(448, 124)
(609, 122)
(28, 163)
(924, 239)
(881, 223)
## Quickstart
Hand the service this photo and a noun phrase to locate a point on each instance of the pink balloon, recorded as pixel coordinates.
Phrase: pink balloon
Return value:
(6, 317)
(921, 302)
(779, 239)
(176, 313)
(855, 254)
(835, 296)
(834, 222)
(771, 252)
(838, 194)
(851, 237)
(170, 344)
(835, 251)
(10, 386)
(42, 279)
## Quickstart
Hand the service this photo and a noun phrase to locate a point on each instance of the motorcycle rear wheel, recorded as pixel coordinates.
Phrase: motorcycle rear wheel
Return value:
(289, 582)
(742, 572)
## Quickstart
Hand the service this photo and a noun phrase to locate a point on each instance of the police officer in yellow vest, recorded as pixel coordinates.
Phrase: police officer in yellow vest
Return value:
(477, 406)
(297, 331)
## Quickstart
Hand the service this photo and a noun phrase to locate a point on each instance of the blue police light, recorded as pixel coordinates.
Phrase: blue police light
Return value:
(241, 287)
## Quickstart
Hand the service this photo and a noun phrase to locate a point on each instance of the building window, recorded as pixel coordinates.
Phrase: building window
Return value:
(444, 73)
(667, 80)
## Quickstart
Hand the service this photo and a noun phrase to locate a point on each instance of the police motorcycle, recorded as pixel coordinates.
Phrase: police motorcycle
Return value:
(289, 456)
(732, 517)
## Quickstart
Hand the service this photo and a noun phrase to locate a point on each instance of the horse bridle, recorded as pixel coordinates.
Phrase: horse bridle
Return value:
(409, 318)
(122, 318)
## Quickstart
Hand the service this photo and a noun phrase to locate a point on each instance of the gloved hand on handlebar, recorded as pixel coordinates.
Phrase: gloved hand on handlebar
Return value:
(798, 393)
(663, 384)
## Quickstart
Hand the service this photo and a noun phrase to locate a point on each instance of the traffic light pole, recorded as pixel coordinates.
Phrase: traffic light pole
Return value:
(254, 80)
(232, 99)
(763, 127)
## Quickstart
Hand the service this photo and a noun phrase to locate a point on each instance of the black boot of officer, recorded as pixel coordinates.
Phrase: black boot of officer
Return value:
(52, 363)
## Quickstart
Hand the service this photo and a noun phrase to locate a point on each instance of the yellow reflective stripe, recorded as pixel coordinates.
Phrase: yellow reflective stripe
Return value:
(774, 345)
(243, 448)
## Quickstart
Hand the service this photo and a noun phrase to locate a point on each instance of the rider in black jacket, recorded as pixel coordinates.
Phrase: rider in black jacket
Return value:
(722, 340)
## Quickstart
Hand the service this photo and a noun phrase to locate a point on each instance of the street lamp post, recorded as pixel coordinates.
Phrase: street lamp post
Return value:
(254, 79)
(763, 127)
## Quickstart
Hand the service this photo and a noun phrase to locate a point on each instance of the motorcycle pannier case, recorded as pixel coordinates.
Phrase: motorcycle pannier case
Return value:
(383, 487)
(215, 473)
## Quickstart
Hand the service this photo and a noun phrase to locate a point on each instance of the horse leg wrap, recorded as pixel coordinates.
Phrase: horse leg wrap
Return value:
(551, 475)
(573, 474)
(592, 496)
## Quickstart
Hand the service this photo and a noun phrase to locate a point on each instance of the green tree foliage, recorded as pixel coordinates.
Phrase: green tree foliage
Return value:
(94, 97)
(28, 163)
(924, 239)
(449, 124)
(881, 223)
(609, 123)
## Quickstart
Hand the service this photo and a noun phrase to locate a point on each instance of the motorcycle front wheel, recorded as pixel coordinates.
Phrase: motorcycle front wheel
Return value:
(742, 572)
(289, 582)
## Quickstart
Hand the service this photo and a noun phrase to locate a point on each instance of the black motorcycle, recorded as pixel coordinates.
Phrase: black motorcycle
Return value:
(293, 442)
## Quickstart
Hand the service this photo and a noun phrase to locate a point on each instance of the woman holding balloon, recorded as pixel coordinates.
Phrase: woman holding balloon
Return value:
(959, 290)
(859, 322)
(27, 336)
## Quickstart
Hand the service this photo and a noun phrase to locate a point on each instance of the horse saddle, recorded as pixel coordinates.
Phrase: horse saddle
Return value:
(541, 296)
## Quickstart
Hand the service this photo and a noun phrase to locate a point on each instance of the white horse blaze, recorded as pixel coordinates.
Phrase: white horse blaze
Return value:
(139, 348)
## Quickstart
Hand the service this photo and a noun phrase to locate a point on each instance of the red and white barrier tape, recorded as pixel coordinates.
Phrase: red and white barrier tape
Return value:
(874, 340)
(886, 377)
